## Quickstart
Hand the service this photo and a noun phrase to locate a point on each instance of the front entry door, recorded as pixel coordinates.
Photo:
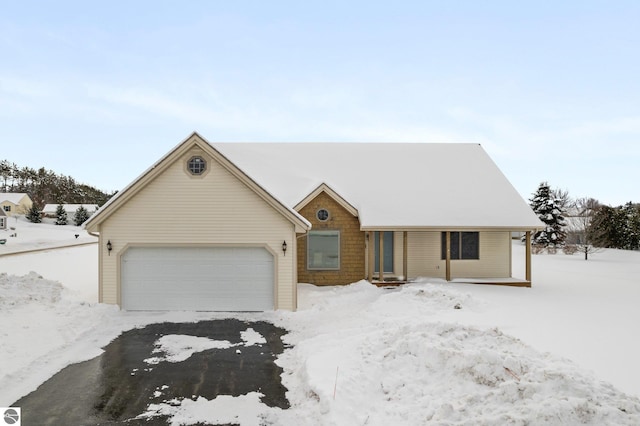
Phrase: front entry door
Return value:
(388, 251)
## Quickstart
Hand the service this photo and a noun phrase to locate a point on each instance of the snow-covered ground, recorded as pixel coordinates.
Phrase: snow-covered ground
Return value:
(365, 355)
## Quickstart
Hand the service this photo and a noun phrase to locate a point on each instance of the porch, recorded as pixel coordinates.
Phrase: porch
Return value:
(510, 282)
(473, 271)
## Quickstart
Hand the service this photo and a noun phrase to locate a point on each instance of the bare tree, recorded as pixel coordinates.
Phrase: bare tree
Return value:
(563, 199)
(585, 209)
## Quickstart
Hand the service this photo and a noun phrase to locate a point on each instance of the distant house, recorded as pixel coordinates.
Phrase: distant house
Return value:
(257, 218)
(51, 209)
(13, 203)
(3, 219)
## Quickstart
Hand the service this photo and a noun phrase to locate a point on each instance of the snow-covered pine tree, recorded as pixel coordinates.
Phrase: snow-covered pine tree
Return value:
(550, 211)
(631, 216)
(80, 216)
(33, 215)
(61, 215)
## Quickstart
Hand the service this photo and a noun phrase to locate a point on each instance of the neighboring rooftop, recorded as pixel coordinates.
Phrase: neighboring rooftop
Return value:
(13, 197)
(69, 208)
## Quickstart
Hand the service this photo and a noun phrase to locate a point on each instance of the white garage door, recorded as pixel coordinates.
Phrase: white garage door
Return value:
(197, 279)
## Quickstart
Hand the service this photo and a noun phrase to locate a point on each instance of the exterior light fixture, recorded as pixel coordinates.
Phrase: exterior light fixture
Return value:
(284, 248)
(109, 247)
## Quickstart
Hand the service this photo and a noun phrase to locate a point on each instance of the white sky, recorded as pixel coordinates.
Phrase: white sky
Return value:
(550, 89)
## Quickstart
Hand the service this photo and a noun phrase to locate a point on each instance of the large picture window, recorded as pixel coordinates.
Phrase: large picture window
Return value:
(323, 250)
(464, 245)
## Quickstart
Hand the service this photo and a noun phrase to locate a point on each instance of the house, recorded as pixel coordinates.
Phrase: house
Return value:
(13, 203)
(3, 219)
(257, 218)
(50, 210)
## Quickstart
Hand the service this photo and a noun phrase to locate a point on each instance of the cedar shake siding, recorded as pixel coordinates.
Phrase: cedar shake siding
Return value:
(352, 243)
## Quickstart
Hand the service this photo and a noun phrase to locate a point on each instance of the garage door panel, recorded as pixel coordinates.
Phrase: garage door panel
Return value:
(197, 278)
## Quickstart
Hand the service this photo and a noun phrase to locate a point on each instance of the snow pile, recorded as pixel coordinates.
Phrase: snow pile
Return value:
(31, 288)
(43, 328)
(385, 357)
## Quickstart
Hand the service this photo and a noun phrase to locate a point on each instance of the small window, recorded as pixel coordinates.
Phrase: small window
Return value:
(464, 245)
(322, 215)
(7, 208)
(197, 165)
(323, 250)
(1, 222)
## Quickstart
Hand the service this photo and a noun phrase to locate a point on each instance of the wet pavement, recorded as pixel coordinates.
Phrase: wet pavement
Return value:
(118, 386)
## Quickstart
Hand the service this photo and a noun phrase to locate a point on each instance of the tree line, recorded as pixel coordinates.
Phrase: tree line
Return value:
(47, 187)
(583, 224)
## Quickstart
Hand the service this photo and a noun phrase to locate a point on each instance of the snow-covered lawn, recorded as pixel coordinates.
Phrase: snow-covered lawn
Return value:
(365, 355)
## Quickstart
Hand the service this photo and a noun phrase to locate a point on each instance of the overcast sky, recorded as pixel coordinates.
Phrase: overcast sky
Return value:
(549, 88)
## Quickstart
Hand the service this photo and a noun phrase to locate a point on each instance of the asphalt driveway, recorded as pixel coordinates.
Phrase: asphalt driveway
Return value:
(118, 386)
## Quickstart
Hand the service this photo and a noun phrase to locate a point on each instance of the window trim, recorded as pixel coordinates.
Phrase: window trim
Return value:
(459, 245)
(203, 162)
(6, 208)
(318, 214)
(308, 250)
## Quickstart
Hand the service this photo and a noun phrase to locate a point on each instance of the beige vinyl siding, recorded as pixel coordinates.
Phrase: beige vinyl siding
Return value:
(22, 207)
(494, 262)
(424, 255)
(216, 209)
(425, 252)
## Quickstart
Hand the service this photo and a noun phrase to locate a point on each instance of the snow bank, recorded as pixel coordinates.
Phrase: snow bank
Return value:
(44, 327)
(31, 288)
(385, 357)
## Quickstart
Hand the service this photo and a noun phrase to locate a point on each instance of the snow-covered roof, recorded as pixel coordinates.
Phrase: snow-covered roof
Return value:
(12, 197)
(191, 140)
(392, 185)
(69, 208)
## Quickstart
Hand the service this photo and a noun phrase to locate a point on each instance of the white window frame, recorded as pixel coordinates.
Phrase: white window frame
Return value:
(312, 255)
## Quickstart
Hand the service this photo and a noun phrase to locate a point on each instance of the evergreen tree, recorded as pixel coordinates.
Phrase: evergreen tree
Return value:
(549, 209)
(616, 227)
(604, 230)
(631, 217)
(81, 216)
(61, 215)
(33, 215)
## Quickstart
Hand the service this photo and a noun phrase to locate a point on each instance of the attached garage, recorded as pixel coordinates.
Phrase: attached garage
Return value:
(197, 279)
(195, 233)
